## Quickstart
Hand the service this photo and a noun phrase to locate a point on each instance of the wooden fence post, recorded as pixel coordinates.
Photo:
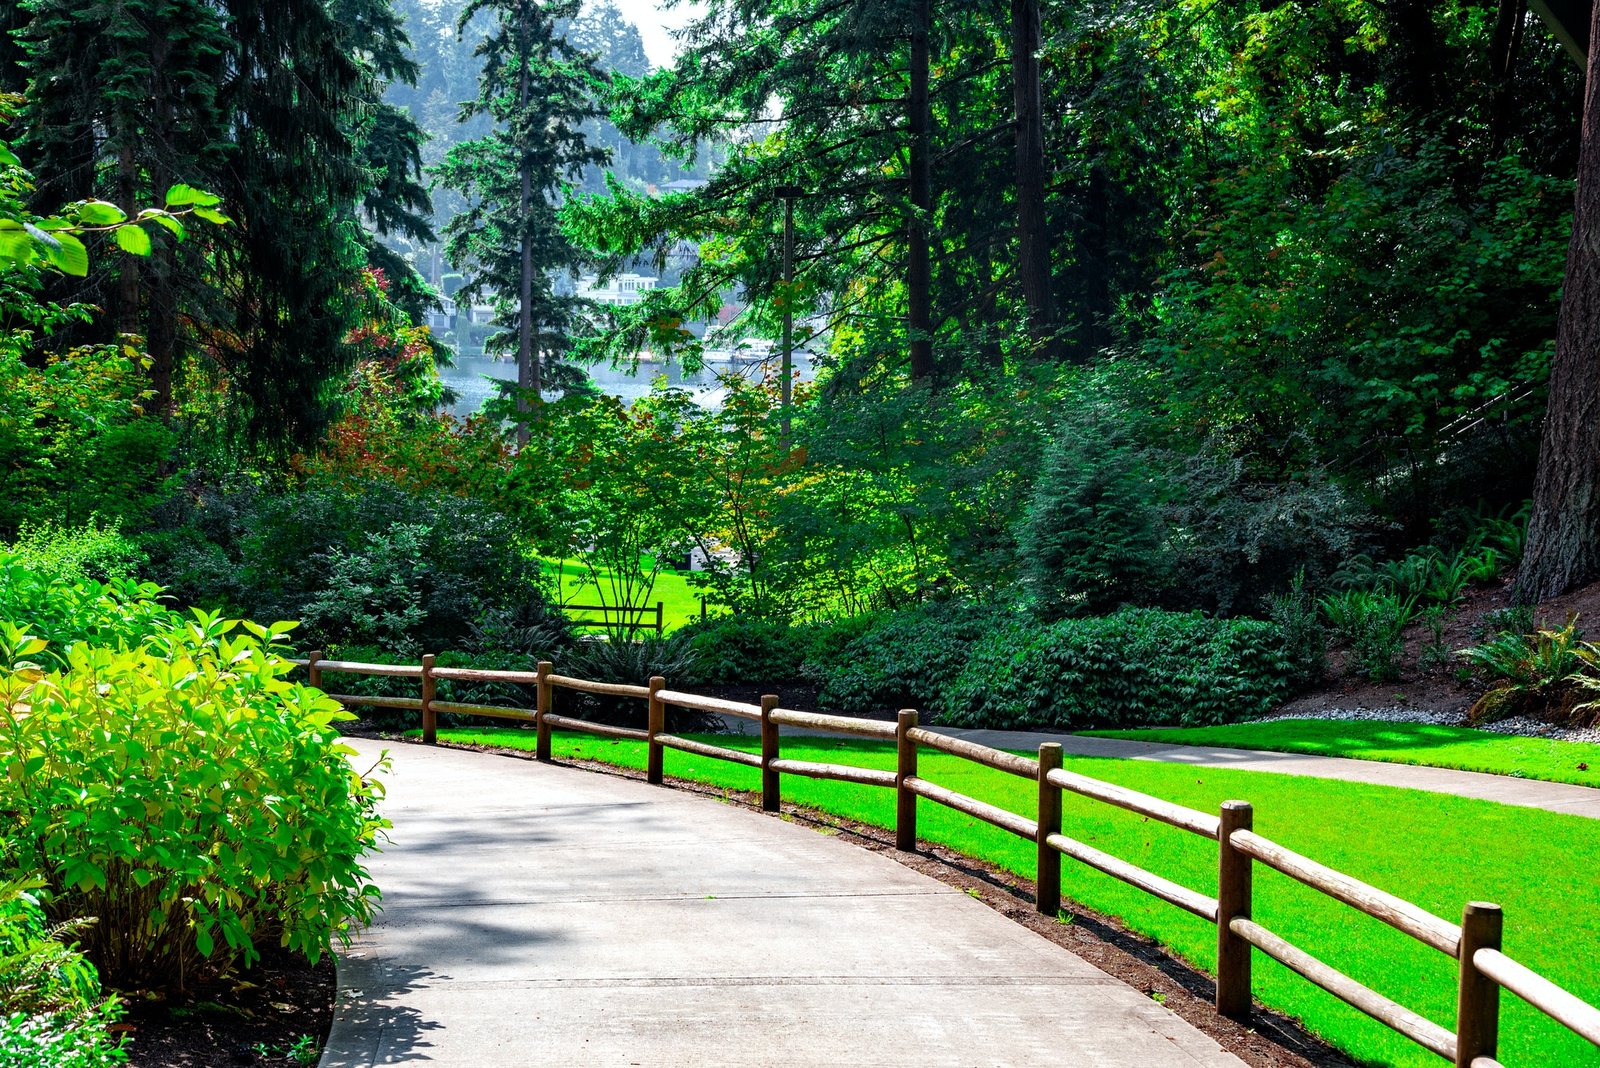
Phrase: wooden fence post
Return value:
(1478, 999)
(905, 806)
(1233, 899)
(314, 673)
(1048, 867)
(546, 691)
(430, 718)
(769, 753)
(655, 769)
(661, 618)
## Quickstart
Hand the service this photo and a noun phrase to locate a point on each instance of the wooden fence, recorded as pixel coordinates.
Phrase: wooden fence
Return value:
(619, 617)
(1475, 943)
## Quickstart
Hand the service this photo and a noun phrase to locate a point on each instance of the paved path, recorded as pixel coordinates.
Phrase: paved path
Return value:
(538, 915)
(1530, 793)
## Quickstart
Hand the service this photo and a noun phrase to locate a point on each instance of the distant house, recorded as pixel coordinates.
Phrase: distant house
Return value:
(622, 289)
(443, 317)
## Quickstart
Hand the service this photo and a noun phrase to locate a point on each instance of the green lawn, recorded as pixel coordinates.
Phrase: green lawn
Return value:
(1436, 850)
(1398, 743)
(680, 601)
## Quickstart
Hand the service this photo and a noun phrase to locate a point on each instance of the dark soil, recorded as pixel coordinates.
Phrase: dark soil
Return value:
(1443, 687)
(1270, 1040)
(254, 1020)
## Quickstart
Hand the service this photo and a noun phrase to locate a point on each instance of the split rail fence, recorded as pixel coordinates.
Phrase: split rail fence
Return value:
(1475, 943)
(621, 617)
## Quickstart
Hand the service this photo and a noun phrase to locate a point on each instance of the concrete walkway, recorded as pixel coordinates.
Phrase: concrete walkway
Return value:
(537, 915)
(1529, 793)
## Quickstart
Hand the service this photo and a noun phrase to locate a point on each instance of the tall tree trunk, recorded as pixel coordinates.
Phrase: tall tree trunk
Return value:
(527, 359)
(161, 335)
(1033, 240)
(128, 278)
(1503, 50)
(919, 274)
(1563, 547)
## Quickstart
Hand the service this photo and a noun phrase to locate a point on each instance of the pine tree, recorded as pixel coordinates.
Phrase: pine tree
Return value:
(538, 89)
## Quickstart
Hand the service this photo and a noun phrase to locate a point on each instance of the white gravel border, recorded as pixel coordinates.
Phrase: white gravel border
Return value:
(1522, 725)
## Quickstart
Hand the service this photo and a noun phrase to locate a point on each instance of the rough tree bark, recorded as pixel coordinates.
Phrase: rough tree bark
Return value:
(1563, 546)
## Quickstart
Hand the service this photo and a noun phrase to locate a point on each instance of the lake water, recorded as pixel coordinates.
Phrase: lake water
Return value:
(470, 377)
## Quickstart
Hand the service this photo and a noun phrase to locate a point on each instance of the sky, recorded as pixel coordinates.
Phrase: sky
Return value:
(654, 23)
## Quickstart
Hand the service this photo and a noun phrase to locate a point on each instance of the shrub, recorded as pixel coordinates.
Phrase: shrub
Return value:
(90, 551)
(368, 565)
(632, 663)
(1236, 539)
(1305, 642)
(188, 796)
(907, 658)
(52, 1012)
(1093, 536)
(120, 613)
(1138, 667)
(733, 649)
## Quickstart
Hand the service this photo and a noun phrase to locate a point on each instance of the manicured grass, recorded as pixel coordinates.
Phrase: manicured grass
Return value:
(680, 601)
(1398, 743)
(1438, 851)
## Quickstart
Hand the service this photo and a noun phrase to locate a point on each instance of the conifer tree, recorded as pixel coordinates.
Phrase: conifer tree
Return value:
(538, 90)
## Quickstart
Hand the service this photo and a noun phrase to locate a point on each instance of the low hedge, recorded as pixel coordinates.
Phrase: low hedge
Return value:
(907, 659)
(1136, 667)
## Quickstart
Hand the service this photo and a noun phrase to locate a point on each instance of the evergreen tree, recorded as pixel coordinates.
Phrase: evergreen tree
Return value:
(538, 89)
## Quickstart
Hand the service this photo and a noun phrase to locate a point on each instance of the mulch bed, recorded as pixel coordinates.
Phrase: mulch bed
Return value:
(253, 1020)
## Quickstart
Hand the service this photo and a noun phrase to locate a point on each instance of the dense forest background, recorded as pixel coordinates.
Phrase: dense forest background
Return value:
(1178, 307)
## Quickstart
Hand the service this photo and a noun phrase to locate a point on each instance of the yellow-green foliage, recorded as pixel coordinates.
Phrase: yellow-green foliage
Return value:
(186, 794)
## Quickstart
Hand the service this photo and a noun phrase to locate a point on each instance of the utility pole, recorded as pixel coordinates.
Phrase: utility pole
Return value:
(788, 193)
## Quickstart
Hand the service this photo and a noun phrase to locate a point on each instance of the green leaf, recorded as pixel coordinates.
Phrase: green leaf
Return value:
(100, 213)
(183, 196)
(212, 216)
(132, 239)
(8, 158)
(161, 218)
(68, 254)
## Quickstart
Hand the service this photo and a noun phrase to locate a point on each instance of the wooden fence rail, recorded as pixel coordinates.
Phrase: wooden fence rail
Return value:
(623, 617)
(1483, 969)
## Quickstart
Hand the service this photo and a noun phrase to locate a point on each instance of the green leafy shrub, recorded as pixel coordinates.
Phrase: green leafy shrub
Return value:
(1513, 619)
(90, 551)
(733, 649)
(632, 663)
(907, 658)
(373, 564)
(1138, 667)
(52, 1011)
(1236, 539)
(1305, 642)
(1093, 536)
(188, 796)
(120, 613)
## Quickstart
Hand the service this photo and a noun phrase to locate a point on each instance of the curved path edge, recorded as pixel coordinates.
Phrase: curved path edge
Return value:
(538, 914)
(1506, 789)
